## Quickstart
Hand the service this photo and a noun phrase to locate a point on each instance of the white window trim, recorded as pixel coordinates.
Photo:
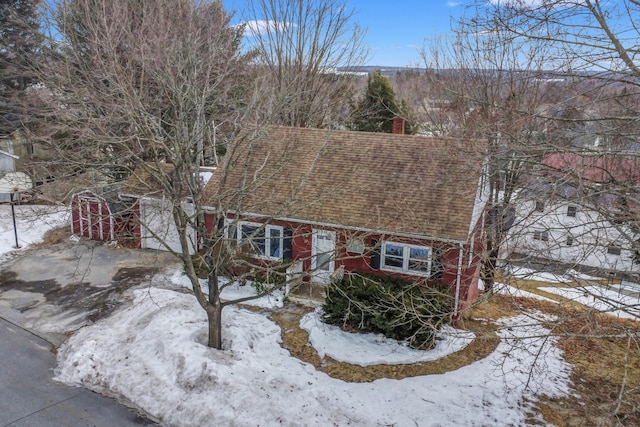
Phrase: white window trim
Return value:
(405, 259)
(267, 240)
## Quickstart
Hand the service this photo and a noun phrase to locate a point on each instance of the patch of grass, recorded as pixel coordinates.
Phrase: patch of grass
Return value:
(606, 371)
(605, 379)
(55, 236)
(296, 340)
(495, 307)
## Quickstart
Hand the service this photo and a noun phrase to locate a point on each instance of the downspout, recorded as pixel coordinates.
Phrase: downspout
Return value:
(458, 279)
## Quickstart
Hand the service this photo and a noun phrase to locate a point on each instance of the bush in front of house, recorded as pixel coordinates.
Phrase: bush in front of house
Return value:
(394, 307)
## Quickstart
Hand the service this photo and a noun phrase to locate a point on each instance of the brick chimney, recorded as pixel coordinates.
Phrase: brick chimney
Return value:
(398, 125)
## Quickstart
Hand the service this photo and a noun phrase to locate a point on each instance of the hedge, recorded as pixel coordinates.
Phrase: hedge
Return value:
(398, 309)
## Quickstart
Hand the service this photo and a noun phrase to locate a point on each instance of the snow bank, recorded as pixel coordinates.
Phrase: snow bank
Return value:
(234, 291)
(375, 349)
(153, 353)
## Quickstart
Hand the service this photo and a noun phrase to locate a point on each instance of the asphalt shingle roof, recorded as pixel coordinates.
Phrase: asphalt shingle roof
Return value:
(384, 182)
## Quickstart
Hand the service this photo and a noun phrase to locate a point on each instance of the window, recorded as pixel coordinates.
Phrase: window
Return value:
(541, 235)
(406, 258)
(539, 206)
(571, 211)
(275, 242)
(614, 250)
(355, 246)
(254, 233)
(570, 241)
(265, 240)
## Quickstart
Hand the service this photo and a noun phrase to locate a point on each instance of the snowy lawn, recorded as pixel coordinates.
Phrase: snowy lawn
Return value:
(601, 299)
(234, 291)
(375, 349)
(32, 222)
(513, 291)
(543, 276)
(154, 354)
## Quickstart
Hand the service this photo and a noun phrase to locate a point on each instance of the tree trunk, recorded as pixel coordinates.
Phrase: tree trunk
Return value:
(214, 318)
(489, 271)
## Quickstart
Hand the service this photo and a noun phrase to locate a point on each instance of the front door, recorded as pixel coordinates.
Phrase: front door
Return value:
(323, 255)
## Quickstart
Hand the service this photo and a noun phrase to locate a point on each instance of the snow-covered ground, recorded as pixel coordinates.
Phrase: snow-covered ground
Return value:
(602, 299)
(234, 291)
(32, 221)
(513, 291)
(544, 276)
(154, 354)
(374, 349)
(588, 293)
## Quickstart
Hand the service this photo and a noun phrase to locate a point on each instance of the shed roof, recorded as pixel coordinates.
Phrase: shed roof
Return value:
(386, 182)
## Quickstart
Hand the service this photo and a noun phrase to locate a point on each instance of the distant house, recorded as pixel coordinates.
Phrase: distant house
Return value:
(385, 204)
(7, 162)
(583, 210)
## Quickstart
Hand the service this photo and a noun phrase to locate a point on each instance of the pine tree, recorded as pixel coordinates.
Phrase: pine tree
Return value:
(376, 110)
(20, 41)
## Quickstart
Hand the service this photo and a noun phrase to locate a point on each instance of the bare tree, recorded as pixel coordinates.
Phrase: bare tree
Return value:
(157, 91)
(583, 52)
(484, 85)
(575, 199)
(148, 88)
(300, 46)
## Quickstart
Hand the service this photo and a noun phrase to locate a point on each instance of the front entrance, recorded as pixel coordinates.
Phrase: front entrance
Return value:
(323, 255)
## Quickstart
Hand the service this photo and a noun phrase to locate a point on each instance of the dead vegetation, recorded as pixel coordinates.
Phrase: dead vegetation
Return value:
(604, 352)
(606, 372)
(296, 340)
(55, 236)
(601, 348)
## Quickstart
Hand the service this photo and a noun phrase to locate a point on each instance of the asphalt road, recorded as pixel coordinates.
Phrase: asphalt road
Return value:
(30, 398)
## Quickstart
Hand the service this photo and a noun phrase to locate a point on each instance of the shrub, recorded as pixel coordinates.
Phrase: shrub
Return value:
(394, 307)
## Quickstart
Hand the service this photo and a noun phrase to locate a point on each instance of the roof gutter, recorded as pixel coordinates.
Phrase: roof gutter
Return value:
(347, 227)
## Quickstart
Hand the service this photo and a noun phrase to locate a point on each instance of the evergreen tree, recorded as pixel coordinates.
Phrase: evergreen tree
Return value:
(20, 41)
(376, 110)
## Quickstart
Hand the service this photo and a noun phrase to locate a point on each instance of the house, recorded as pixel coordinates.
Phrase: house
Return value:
(332, 200)
(7, 162)
(582, 210)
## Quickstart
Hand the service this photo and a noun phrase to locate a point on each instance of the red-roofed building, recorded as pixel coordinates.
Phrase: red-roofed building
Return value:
(583, 210)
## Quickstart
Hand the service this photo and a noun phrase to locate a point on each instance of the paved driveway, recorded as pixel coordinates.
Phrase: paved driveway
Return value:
(29, 398)
(45, 295)
(55, 290)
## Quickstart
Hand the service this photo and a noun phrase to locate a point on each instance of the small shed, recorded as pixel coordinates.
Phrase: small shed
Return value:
(153, 226)
(92, 216)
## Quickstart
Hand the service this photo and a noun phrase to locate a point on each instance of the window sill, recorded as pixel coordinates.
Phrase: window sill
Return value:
(407, 272)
